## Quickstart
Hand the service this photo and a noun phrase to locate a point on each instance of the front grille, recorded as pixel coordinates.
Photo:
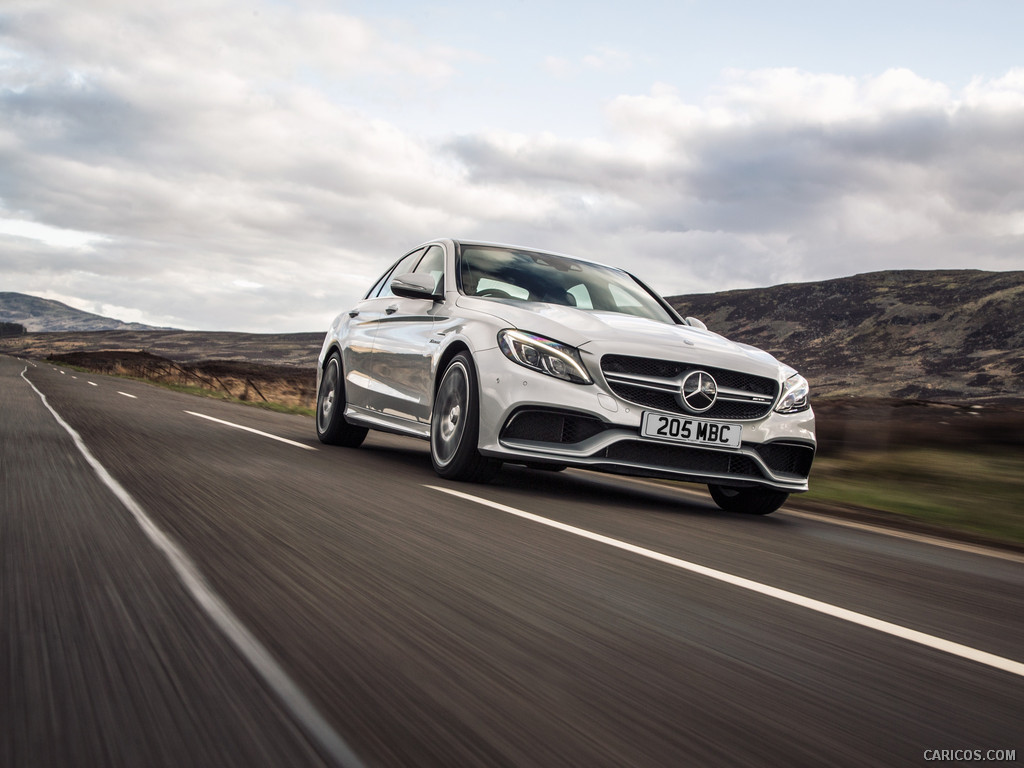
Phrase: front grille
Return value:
(787, 458)
(682, 458)
(663, 401)
(551, 427)
(655, 383)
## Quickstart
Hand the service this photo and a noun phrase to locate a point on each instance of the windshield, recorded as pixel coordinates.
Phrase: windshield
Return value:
(507, 273)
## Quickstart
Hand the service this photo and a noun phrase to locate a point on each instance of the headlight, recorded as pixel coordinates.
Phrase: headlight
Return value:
(796, 395)
(544, 355)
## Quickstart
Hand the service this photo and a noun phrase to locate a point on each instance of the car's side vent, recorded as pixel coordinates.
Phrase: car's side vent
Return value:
(787, 458)
(548, 426)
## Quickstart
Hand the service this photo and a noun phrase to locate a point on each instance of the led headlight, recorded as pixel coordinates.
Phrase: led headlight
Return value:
(796, 395)
(542, 354)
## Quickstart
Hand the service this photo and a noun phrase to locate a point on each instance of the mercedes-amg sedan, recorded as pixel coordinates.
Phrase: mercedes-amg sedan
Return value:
(497, 353)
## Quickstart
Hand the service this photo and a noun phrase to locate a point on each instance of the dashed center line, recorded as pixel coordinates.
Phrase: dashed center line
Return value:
(254, 431)
(133, 397)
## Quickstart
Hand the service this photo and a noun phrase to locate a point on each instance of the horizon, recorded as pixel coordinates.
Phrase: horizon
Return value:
(320, 331)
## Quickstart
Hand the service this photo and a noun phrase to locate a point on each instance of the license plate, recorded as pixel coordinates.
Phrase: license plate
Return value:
(694, 431)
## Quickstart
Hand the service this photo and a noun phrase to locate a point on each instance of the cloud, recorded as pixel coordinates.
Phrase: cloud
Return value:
(785, 175)
(203, 146)
(222, 167)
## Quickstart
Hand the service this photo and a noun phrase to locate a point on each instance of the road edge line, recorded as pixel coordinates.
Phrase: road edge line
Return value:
(259, 658)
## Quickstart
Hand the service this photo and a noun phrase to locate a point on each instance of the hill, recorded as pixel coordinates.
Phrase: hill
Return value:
(45, 316)
(954, 336)
(948, 335)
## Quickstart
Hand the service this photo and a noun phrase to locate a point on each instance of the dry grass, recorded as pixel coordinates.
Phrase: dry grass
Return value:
(276, 386)
(976, 491)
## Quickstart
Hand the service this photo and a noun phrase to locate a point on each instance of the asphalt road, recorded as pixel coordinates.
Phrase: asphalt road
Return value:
(176, 591)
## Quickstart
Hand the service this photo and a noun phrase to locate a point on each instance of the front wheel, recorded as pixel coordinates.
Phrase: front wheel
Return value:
(748, 501)
(455, 425)
(331, 426)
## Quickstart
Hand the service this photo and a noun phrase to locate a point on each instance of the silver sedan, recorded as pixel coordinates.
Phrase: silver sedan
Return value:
(497, 353)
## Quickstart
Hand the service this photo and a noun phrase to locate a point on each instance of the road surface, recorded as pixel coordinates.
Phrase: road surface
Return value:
(187, 582)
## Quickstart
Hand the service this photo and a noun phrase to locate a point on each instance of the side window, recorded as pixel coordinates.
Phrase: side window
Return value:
(377, 286)
(383, 286)
(433, 265)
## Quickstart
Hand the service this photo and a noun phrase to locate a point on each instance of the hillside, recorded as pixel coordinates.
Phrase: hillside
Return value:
(951, 335)
(944, 335)
(45, 316)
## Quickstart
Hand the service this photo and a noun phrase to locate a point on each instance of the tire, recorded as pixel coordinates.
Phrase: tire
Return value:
(748, 501)
(331, 426)
(455, 425)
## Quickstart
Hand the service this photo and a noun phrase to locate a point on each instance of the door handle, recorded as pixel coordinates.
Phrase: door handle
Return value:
(391, 310)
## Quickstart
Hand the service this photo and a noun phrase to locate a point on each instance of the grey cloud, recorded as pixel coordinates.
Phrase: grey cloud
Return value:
(768, 178)
(59, 118)
(540, 161)
(217, 168)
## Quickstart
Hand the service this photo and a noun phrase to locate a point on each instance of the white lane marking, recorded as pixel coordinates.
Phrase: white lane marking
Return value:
(301, 708)
(930, 641)
(133, 397)
(93, 384)
(254, 431)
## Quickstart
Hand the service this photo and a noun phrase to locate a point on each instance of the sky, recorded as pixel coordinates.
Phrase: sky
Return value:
(255, 165)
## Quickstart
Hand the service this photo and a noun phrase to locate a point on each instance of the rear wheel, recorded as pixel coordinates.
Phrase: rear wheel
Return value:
(455, 425)
(748, 501)
(331, 426)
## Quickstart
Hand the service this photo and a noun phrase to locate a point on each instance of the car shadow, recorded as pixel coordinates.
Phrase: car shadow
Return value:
(601, 489)
(640, 495)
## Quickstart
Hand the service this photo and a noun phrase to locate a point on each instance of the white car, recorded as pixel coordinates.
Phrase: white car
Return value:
(497, 353)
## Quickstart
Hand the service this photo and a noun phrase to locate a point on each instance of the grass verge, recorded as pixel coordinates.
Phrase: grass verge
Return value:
(216, 395)
(978, 491)
(190, 389)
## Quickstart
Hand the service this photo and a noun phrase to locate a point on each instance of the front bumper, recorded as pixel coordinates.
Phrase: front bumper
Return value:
(528, 417)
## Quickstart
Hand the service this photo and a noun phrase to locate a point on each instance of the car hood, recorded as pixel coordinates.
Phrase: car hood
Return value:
(615, 333)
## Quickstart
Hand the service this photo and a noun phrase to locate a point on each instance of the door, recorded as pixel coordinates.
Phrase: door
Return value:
(363, 324)
(403, 349)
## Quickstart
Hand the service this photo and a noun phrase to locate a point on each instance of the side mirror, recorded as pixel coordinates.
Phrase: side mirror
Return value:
(694, 322)
(414, 285)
